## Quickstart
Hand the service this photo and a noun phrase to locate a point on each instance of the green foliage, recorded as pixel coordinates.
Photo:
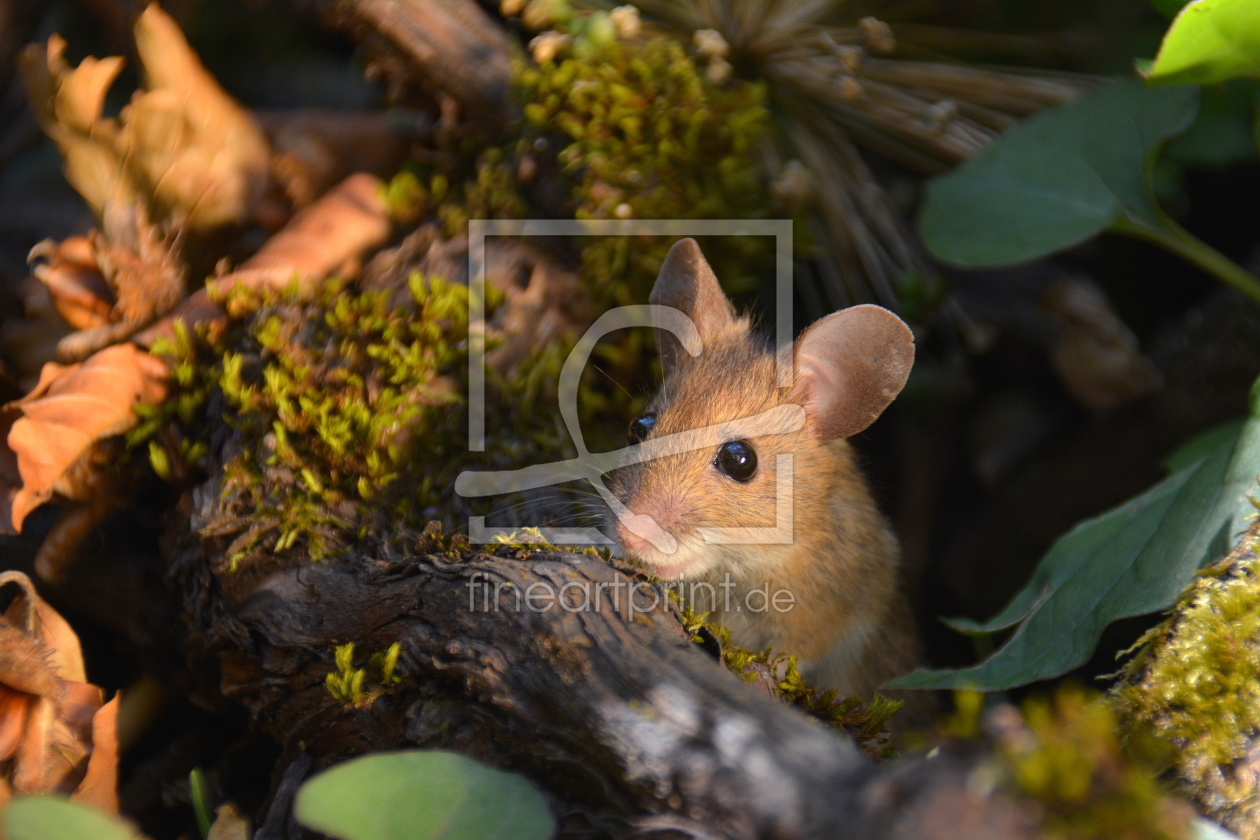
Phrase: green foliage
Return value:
(58, 818)
(171, 453)
(200, 804)
(359, 687)
(648, 138)
(405, 197)
(422, 795)
(1067, 757)
(1132, 560)
(1056, 179)
(864, 721)
(1210, 41)
(491, 193)
(1193, 686)
(335, 402)
(348, 414)
(1168, 8)
(1223, 132)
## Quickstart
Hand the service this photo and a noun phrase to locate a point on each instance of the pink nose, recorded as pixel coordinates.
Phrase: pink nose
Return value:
(640, 532)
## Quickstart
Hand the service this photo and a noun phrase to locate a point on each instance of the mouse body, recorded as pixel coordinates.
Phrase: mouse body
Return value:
(825, 588)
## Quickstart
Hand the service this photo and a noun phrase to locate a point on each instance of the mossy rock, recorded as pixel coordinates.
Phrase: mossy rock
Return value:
(1191, 694)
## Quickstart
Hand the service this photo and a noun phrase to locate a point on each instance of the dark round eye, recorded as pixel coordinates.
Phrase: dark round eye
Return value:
(737, 459)
(640, 428)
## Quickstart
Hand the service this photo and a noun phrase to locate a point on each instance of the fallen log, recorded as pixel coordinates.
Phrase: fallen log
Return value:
(568, 668)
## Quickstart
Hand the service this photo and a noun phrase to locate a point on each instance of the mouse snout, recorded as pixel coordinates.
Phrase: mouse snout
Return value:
(650, 527)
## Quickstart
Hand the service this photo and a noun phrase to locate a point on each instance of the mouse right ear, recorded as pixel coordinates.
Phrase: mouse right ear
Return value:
(688, 284)
(849, 367)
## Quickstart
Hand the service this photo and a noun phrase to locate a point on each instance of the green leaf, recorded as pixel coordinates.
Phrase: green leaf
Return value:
(1222, 133)
(1132, 560)
(1210, 41)
(1056, 179)
(422, 795)
(57, 818)
(1202, 445)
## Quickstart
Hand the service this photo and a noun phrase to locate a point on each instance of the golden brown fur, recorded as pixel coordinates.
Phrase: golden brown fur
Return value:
(848, 622)
(848, 625)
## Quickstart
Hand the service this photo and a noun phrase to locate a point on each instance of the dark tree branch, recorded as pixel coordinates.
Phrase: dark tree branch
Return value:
(447, 46)
(633, 729)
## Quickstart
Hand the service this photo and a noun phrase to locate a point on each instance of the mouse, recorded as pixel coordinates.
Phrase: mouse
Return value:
(707, 516)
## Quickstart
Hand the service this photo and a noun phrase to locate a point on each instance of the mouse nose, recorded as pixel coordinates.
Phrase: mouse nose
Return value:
(640, 532)
(630, 539)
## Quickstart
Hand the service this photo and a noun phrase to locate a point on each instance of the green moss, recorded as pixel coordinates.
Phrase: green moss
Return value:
(1191, 692)
(349, 417)
(865, 721)
(1068, 758)
(359, 687)
(334, 404)
(649, 138)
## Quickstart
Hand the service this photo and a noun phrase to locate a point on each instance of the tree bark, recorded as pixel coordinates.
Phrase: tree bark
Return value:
(450, 47)
(600, 699)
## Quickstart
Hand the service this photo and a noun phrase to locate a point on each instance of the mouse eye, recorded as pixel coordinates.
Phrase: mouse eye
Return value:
(640, 428)
(737, 459)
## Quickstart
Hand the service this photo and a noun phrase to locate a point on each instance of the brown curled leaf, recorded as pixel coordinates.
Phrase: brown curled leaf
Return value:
(99, 787)
(74, 281)
(72, 408)
(56, 733)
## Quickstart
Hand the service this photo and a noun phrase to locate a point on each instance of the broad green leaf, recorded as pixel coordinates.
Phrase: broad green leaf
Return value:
(1202, 445)
(422, 795)
(1056, 179)
(57, 818)
(1132, 560)
(1222, 132)
(1210, 41)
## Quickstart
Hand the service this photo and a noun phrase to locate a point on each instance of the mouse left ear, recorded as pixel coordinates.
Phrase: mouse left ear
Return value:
(849, 366)
(688, 284)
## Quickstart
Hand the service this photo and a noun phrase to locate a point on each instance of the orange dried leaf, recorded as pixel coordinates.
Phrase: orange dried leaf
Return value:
(71, 409)
(100, 784)
(67, 103)
(13, 706)
(183, 146)
(347, 221)
(74, 281)
(56, 732)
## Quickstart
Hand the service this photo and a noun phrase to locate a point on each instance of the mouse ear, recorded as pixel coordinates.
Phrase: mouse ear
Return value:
(849, 367)
(688, 284)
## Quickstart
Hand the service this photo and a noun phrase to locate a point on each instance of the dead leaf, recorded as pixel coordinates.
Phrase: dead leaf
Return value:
(74, 281)
(320, 240)
(99, 787)
(183, 145)
(229, 824)
(71, 409)
(106, 285)
(326, 237)
(57, 731)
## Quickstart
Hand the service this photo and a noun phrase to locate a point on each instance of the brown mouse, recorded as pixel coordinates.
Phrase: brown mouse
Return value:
(844, 616)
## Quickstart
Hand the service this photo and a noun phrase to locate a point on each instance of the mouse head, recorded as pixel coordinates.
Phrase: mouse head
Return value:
(847, 368)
